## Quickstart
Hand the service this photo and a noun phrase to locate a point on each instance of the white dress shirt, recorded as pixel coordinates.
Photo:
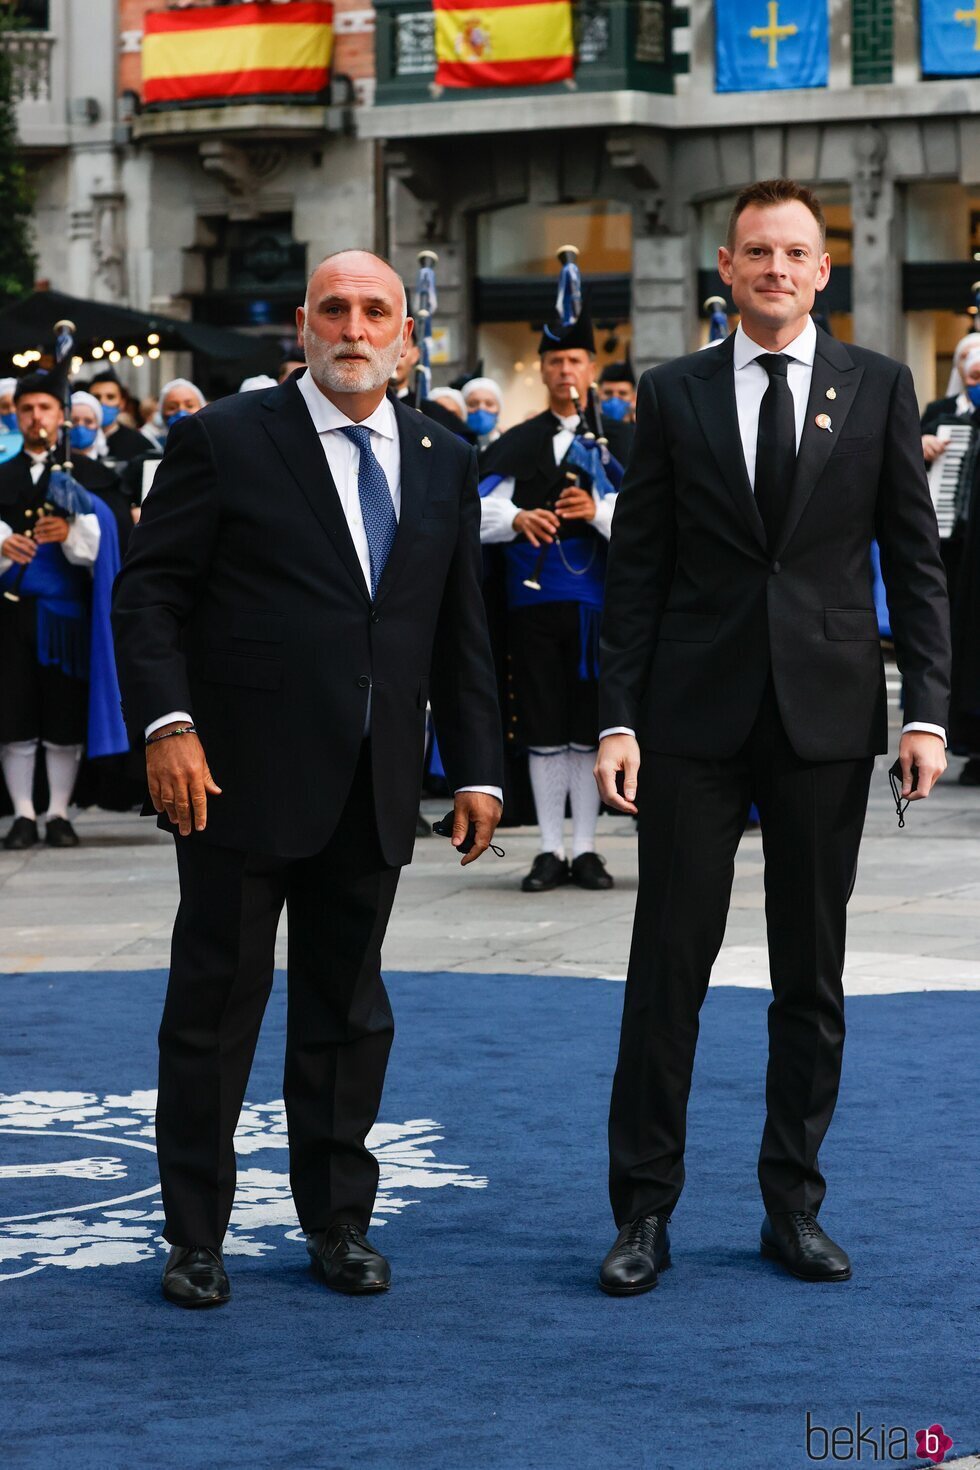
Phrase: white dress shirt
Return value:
(751, 383)
(497, 510)
(80, 547)
(344, 461)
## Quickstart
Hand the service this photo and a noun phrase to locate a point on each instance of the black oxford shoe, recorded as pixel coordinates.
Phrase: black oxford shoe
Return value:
(344, 1258)
(59, 832)
(22, 835)
(795, 1240)
(547, 872)
(641, 1251)
(589, 871)
(195, 1277)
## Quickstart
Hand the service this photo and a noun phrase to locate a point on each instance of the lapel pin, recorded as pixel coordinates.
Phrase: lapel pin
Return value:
(426, 442)
(831, 394)
(823, 422)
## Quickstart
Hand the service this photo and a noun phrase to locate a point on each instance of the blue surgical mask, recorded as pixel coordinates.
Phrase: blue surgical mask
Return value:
(175, 418)
(616, 409)
(81, 437)
(974, 395)
(9, 421)
(110, 412)
(482, 421)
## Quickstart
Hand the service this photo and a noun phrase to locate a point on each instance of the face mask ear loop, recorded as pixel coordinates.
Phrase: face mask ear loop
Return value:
(900, 806)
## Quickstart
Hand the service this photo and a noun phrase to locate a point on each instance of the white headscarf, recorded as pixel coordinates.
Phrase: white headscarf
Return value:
(99, 448)
(487, 385)
(262, 380)
(454, 396)
(956, 384)
(180, 383)
(971, 360)
(7, 385)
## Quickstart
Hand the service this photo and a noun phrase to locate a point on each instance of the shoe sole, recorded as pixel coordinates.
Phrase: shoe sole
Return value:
(665, 1265)
(218, 1301)
(321, 1276)
(770, 1253)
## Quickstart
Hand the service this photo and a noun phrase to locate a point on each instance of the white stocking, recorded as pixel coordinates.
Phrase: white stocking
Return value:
(584, 795)
(62, 762)
(18, 760)
(548, 769)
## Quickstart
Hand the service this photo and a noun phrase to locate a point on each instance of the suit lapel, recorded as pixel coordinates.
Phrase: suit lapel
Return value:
(287, 422)
(713, 395)
(833, 371)
(416, 464)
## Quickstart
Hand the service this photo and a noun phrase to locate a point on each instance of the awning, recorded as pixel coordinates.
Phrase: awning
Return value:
(29, 324)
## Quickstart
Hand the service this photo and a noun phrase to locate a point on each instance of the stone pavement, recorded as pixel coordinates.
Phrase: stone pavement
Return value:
(914, 917)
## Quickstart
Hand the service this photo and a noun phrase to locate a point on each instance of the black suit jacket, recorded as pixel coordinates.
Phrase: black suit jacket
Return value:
(243, 602)
(698, 611)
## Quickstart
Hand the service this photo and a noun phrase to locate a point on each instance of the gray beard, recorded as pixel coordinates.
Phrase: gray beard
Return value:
(329, 372)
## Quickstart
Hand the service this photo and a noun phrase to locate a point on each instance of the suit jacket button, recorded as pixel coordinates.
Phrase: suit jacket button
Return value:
(363, 682)
(376, 617)
(775, 568)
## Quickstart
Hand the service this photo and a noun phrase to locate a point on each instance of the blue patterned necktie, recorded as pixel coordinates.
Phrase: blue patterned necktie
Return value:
(377, 509)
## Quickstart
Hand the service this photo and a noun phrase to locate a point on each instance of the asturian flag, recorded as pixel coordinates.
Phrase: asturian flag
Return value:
(950, 38)
(766, 45)
(503, 43)
(218, 53)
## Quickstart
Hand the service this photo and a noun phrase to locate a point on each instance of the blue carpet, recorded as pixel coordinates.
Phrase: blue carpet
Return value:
(494, 1350)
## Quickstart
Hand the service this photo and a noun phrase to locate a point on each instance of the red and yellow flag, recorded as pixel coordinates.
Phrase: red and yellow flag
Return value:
(503, 43)
(253, 50)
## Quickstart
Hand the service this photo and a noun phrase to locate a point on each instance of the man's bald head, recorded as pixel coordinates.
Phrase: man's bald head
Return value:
(361, 266)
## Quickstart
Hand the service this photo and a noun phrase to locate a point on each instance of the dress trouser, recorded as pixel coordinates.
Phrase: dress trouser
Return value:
(693, 814)
(339, 1026)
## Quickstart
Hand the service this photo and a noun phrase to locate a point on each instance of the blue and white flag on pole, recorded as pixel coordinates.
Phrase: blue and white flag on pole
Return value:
(950, 38)
(767, 45)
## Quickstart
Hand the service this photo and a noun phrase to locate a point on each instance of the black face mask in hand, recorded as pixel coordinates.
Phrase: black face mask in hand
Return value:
(896, 780)
(444, 828)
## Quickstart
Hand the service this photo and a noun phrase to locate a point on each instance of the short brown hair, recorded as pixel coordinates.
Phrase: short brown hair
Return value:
(769, 192)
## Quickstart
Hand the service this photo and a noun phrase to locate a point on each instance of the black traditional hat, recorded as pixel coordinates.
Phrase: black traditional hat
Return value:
(618, 372)
(54, 383)
(556, 338)
(107, 375)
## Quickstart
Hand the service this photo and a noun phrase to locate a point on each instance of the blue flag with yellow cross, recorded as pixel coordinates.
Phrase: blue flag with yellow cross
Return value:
(767, 45)
(950, 38)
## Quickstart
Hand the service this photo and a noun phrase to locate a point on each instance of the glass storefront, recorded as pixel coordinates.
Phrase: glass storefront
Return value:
(942, 254)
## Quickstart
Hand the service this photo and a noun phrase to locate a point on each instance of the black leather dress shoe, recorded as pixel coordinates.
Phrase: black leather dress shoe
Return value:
(589, 871)
(970, 774)
(59, 832)
(22, 835)
(795, 1240)
(346, 1261)
(195, 1277)
(640, 1253)
(547, 872)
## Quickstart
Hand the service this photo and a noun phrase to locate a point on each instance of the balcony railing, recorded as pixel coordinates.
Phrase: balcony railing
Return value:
(30, 56)
(620, 45)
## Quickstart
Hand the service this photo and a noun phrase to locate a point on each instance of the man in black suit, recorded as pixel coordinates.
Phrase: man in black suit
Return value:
(305, 573)
(740, 655)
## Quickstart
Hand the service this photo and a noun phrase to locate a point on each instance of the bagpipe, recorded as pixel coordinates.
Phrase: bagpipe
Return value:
(426, 306)
(65, 497)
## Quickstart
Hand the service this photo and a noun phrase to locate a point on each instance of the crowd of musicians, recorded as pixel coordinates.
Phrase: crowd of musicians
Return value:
(548, 487)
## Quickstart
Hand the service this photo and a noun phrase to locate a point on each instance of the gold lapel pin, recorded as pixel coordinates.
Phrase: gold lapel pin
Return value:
(822, 421)
(426, 442)
(831, 394)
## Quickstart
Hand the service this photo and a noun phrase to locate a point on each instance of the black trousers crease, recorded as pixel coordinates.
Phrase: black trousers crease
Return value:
(339, 1023)
(812, 817)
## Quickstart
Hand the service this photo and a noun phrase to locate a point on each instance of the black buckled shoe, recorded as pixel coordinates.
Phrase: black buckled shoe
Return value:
(22, 835)
(59, 832)
(195, 1277)
(795, 1240)
(547, 872)
(641, 1251)
(589, 871)
(346, 1261)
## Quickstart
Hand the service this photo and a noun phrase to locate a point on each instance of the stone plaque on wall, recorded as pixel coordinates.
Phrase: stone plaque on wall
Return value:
(651, 31)
(415, 45)
(592, 40)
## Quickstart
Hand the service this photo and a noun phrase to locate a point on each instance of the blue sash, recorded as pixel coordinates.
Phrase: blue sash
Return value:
(572, 571)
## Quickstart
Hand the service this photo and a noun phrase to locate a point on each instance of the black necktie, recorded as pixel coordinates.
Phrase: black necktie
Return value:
(775, 455)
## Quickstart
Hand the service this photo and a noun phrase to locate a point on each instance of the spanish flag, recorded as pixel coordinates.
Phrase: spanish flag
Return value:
(503, 43)
(218, 53)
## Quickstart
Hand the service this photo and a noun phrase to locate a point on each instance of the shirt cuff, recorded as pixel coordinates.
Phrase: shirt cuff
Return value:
(926, 729)
(485, 790)
(617, 730)
(176, 715)
(604, 507)
(5, 531)
(81, 545)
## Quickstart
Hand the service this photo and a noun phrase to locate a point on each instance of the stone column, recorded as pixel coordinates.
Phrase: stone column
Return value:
(664, 313)
(877, 268)
(426, 223)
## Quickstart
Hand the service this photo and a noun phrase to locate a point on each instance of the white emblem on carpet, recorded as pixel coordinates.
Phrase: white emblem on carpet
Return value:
(124, 1226)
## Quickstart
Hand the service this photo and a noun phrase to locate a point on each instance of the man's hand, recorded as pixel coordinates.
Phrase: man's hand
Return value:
(618, 753)
(575, 504)
(928, 754)
(50, 528)
(537, 526)
(179, 780)
(19, 549)
(484, 812)
(933, 447)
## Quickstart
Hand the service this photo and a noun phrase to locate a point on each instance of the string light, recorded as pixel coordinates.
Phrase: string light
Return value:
(131, 350)
(153, 339)
(97, 352)
(138, 360)
(115, 356)
(108, 345)
(154, 352)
